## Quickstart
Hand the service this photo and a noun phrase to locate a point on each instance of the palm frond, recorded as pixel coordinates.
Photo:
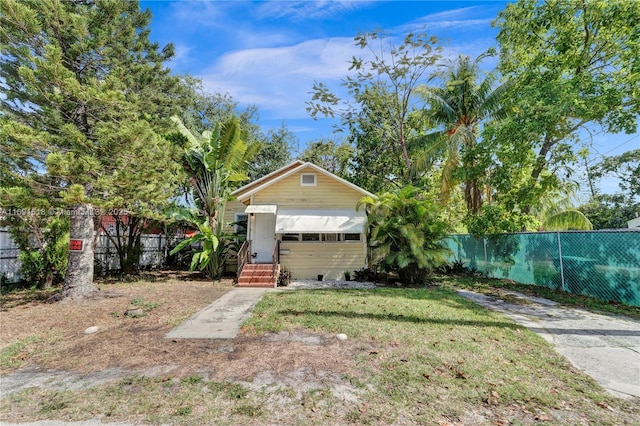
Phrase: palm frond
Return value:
(571, 219)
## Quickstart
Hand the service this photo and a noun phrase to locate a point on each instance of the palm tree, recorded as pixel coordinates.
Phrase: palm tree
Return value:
(570, 219)
(216, 163)
(457, 108)
(556, 212)
(406, 226)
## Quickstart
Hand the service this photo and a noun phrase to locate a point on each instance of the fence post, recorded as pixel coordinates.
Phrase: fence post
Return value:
(561, 265)
(486, 260)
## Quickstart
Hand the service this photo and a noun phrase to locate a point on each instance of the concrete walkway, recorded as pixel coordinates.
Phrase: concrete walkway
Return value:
(223, 318)
(605, 347)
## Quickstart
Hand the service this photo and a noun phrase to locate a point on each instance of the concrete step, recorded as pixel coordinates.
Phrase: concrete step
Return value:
(257, 275)
(256, 285)
(246, 278)
(258, 266)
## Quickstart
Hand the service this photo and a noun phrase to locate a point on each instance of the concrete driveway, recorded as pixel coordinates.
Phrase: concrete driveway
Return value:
(605, 347)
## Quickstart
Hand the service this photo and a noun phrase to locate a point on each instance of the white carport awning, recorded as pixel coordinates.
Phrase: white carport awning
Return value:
(326, 221)
(261, 208)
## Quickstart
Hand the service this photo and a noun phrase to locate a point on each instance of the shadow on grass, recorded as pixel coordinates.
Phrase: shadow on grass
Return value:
(17, 297)
(155, 275)
(401, 318)
(441, 294)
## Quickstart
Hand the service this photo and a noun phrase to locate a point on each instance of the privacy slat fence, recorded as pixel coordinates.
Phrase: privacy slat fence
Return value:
(154, 253)
(602, 264)
(9, 263)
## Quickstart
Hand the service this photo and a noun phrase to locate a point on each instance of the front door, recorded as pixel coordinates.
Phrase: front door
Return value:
(264, 237)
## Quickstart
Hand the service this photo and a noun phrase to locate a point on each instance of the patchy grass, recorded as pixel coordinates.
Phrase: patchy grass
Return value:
(491, 286)
(438, 358)
(144, 304)
(413, 356)
(13, 353)
(141, 399)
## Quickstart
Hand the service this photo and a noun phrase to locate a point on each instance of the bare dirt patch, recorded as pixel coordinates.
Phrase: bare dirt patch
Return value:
(55, 331)
(59, 355)
(255, 374)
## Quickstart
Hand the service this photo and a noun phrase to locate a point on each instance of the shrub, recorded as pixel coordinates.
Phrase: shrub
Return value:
(406, 224)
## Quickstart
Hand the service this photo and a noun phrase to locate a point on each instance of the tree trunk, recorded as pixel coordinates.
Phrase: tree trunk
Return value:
(473, 197)
(48, 279)
(78, 282)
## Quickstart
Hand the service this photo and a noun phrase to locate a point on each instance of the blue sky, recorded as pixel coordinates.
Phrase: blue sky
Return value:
(269, 53)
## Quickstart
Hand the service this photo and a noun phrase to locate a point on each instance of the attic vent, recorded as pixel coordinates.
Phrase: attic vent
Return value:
(307, 179)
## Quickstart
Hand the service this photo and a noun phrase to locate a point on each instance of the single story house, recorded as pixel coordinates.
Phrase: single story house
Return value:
(301, 218)
(634, 223)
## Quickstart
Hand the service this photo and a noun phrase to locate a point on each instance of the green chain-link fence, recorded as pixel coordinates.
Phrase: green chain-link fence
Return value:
(603, 264)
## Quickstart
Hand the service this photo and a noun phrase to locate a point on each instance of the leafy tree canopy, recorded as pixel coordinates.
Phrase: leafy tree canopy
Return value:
(626, 168)
(572, 63)
(331, 156)
(275, 152)
(383, 88)
(86, 97)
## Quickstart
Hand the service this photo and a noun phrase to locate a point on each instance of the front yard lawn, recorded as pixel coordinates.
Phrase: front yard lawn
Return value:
(428, 356)
(412, 356)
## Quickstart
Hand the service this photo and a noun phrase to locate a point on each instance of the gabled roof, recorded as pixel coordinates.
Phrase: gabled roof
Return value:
(264, 178)
(286, 171)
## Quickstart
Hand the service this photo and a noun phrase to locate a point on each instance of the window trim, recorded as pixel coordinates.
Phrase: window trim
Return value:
(281, 237)
(315, 179)
(340, 239)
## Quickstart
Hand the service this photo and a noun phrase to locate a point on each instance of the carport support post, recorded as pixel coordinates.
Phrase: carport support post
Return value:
(561, 266)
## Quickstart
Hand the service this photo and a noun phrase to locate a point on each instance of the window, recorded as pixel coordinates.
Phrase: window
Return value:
(331, 237)
(318, 237)
(290, 237)
(307, 179)
(240, 225)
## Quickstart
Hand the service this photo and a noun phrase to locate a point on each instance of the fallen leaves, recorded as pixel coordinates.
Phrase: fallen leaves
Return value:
(493, 398)
(605, 406)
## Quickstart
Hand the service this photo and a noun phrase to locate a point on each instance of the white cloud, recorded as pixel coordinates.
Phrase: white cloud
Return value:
(306, 10)
(279, 79)
(463, 18)
(211, 14)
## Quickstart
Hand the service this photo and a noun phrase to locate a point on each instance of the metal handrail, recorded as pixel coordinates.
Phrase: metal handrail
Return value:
(275, 258)
(243, 256)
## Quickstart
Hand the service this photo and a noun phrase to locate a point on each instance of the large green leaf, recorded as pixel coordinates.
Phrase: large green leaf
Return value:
(571, 219)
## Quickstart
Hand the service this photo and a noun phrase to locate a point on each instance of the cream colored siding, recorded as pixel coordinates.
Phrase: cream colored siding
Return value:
(252, 185)
(327, 194)
(232, 208)
(308, 260)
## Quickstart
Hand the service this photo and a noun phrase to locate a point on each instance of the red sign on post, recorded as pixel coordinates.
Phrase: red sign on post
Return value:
(76, 245)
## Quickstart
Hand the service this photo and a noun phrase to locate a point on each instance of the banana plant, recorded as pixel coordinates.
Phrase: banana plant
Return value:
(215, 245)
(216, 162)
